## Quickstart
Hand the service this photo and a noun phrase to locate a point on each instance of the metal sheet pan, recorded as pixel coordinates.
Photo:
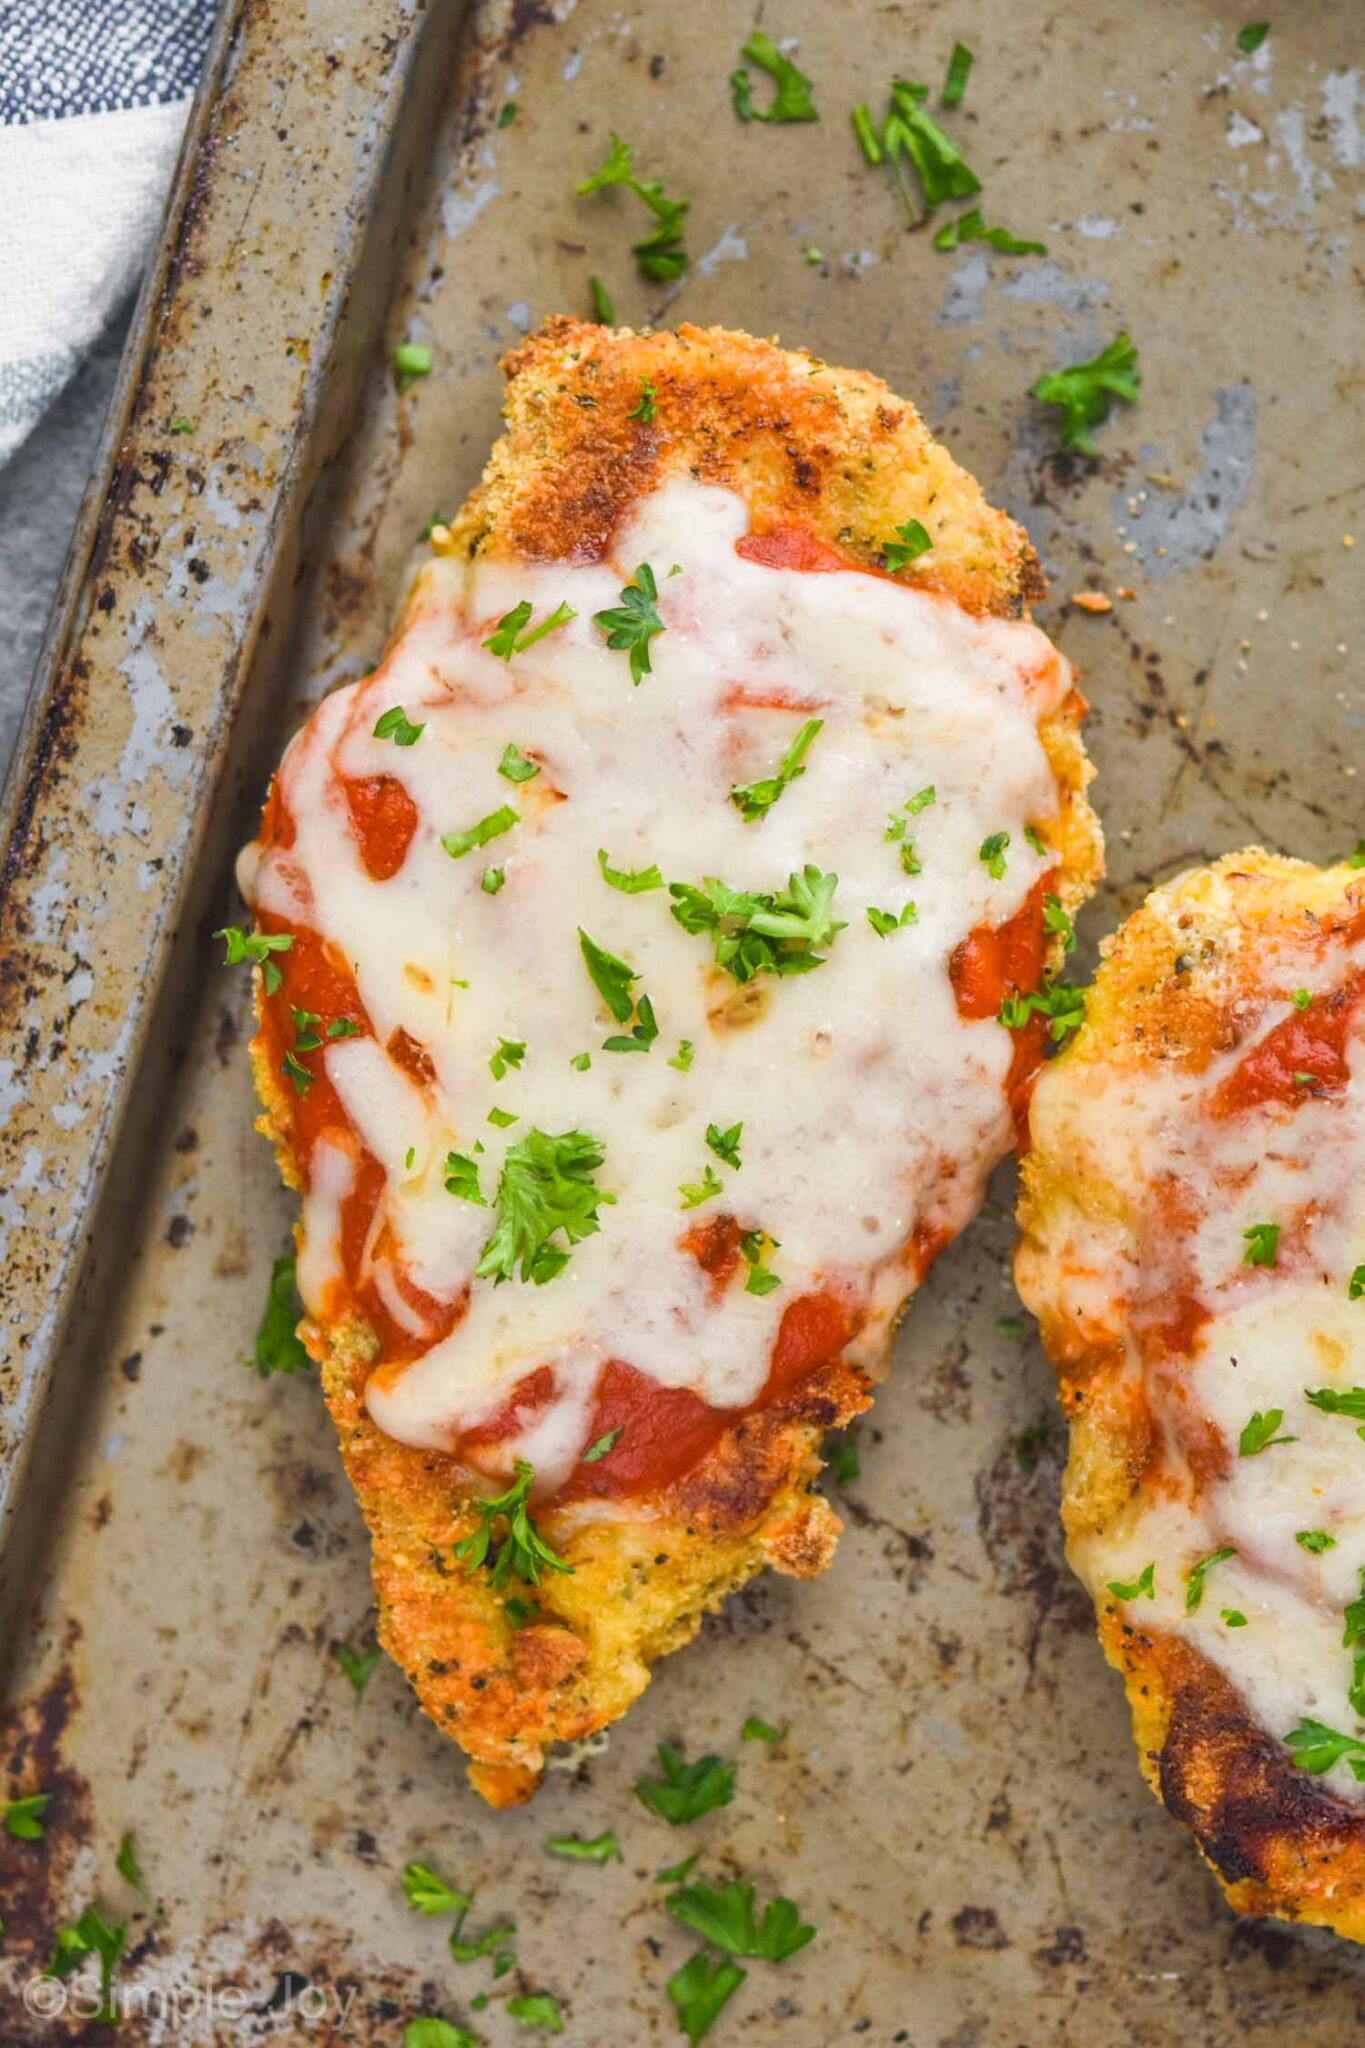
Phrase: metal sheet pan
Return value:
(955, 1805)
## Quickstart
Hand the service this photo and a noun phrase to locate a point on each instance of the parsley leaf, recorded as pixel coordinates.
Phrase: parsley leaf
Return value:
(1086, 393)
(427, 1893)
(1301, 999)
(644, 409)
(909, 135)
(630, 881)
(435, 2033)
(991, 854)
(359, 1666)
(769, 933)
(522, 1550)
(1315, 1748)
(660, 254)
(1315, 1541)
(884, 922)
(411, 360)
(491, 880)
(757, 1730)
(602, 308)
(574, 1849)
(685, 1054)
(612, 979)
(393, 725)
(537, 2009)
(971, 227)
(686, 1791)
(1355, 1286)
(510, 1053)
(643, 1031)
(959, 70)
(1056, 920)
(457, 844)
(700, 1990)
(724, 1915)
(605, 1443)
(1143, 1587)
(754, 1244)
(634, 622)
(462, 1178)
(510, 638)
(515, 766)
(127, 1866)
(755, 799)
(1331, 1401)
(725, 1144)
(278, 1348)
(23, 1818)
(1232, 1617)
(545, 1188)
(1250, 38)
(792, 99)
(1262, 1242)
(503, 1118)
(91, 1935)
(912, 542)
(869, 142)
(1194, 1587)
(842, 1461)
(257, 948)
(1060, 1001)
(1259, 1434)
(694, 1193)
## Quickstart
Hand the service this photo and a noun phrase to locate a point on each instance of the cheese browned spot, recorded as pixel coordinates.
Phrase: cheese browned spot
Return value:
(1193, 1212)
(874, 1091)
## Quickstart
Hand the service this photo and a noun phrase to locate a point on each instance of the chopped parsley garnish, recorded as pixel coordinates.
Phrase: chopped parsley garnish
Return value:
(1011, 1327)
(842, 1461)
(959, 70)
(971, 227)
(491, 880)
(1262, 1244)
(436, 2033)
(515, 766)
(1194, 1585)
(1250, 38)
(771, 933)
(1087, 392)
(660, 254)
(683, 1057)
(1259, 1434)
(1357, 859)
(574, 1849)
(678, 1873)
(127, 1865)
(494, 1943)
(755, 799)
(545, 1190)
(358, 1666)
(91, 1936)
(1055, 919)
(913, 540)
(394, 725)
(642, 1034)
(1059, 1001)
(507, 114)
(1035, 839)
(180, 425)
(868, 140)
(461, 1175)
(457, 844)
(536, 2009)
(991, 854)
(257, 948)
(694, 1193)
(1315, 1748)
(686, 1791)
(754, 1245)
(909, 137)
(922, 800)
(1355, 1286)
(602, 307)
(23, 1818)
(521, 1551)
(580, 1062)
(1232, 1617)
(630, 881)
(884, 922)
(1332, 1401)
(1143, 1587)
(427, 1893)
(510, 636)
(277, 1342)
(1315, 1541)
(632, 624)
(792, 99)
(1354, 1631)
(503, 1118)
(600, 1448)
(411, 360)
(724, 1915)
(725, 1144)
(612, 979)
(510, 1053)
(701, 1989)
(343, 1027)
(644, 408)
(1301, 999)
(756, 1729)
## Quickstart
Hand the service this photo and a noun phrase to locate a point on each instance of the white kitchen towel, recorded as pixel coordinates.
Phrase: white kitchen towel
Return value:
(93, 99)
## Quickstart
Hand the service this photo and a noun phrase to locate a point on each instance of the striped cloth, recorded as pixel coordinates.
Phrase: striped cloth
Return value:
(93, 99)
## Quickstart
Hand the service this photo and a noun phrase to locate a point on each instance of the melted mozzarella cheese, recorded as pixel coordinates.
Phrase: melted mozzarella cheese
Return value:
(1272, 1334)
(869, 1107)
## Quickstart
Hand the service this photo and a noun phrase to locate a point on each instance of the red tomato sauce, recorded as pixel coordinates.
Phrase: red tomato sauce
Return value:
(791, 547)
(383, 818)
(996, 960)
(1311, 1041)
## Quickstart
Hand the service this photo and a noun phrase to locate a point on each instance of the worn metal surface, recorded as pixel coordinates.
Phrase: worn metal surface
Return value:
(956, 1805)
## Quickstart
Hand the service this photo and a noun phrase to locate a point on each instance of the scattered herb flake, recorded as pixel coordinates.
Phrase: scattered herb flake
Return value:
(792, 99)
(457, 844)
(1259, 1434)
(602, 308)
(631, 625)
(701, 1989)
(683, 1057)
(1262, 1244)
(510, 1053)
(1250, 38)
(394, 725)
(755, 799)
(771, 933)
(602, 1445)
(359, 1666)
(971, 227)
(1194, 1585)
(513, 633)
(913, 540)
(630, 881)
(1087, 392)
(278, 1348)
(522, 1551)
(1315, 1541)
(545, 1189)
(574, 1849)
(645, 410)
(23, 1818)
(537, 2009)
(757, 1730)
(959, 70)
(411, 360)
(686, 1791)
(660, 253)
(1143, 1587)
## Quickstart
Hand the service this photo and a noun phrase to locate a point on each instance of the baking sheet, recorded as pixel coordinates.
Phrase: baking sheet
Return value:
(956, 1805)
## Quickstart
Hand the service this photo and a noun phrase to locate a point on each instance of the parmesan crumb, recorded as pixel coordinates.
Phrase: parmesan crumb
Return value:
(1091, 601)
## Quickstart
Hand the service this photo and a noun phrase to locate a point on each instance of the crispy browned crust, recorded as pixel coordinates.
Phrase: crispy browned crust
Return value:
(829, 449)
(835, 452)
(1179, 982)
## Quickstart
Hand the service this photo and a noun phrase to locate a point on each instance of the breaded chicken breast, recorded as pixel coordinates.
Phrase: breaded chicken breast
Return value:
(632, 949)
(1193, 1219)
